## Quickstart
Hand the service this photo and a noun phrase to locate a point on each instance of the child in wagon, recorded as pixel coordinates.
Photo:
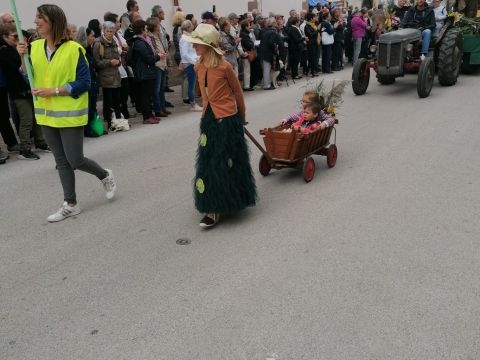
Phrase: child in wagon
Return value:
(311, 116)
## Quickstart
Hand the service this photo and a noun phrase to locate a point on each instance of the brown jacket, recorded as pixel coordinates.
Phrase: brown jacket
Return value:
(225, 94)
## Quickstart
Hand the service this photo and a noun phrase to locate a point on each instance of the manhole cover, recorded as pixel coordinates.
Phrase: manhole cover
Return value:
(183, 241)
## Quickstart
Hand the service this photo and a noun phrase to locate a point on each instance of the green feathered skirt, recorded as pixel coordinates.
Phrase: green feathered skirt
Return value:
(224, 182)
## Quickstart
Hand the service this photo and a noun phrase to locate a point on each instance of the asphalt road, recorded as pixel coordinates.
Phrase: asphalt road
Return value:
(376, 258)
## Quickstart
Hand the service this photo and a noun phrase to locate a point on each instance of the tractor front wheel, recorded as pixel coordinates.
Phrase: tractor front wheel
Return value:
(426, 75)
(360, 76)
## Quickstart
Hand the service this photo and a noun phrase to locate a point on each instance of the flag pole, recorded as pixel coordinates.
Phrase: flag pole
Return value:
(26, 58)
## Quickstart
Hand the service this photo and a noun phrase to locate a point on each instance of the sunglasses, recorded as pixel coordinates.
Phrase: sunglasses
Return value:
(15, 36)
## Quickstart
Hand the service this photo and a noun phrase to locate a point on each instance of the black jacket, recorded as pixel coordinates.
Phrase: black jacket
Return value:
(419, 19)
(295, 39)
(246, 41)
(271, 45)
(339, 34)
(311, 33)
(144, 60)
(10, 63)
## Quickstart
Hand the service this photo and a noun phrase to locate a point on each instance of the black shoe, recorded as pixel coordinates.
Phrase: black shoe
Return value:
(249, 89)
(208, 221)
(3, 157)
(169, 89)
(186, 101)
(14, 148)
(169, 104)
(44, 148)
(28, 155)
(270, 88)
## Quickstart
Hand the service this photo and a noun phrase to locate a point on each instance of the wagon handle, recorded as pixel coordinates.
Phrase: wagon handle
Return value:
(257, 144)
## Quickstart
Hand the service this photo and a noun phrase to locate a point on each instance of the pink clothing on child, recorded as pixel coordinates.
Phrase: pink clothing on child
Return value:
(297, 119)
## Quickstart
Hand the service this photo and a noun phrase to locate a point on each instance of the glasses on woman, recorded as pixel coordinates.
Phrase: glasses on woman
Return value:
(15, 36)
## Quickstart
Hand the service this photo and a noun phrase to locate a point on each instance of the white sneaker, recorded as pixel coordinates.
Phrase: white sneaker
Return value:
(196, 108)
(422, 57)
(109, 185)
(64, 212)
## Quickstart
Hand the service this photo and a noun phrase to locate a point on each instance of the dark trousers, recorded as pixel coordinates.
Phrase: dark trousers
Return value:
(6, 129)
(337, 56)
(111, 100)
(132, 91)
(145, 95)
(294, 61)
(124, 98)
(326, 58)
(312, 56)
(304, 61)
(28, 125)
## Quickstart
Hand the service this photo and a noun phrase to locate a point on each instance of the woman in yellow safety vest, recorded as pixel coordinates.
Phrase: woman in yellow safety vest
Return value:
(61, 84)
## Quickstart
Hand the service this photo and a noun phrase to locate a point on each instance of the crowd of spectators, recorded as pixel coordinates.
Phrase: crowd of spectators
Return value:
(129, 58)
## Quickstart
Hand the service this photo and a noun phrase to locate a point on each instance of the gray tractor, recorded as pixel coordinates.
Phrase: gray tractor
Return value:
(398, 53)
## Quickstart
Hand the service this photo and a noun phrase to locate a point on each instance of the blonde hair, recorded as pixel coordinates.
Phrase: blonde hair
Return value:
(211, 58)
(178, 18)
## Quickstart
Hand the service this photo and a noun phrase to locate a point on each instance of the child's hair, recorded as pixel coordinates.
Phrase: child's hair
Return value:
(314, 97)
(314, 107)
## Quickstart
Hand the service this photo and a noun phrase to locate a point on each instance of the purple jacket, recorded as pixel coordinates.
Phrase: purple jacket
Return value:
(359, 25)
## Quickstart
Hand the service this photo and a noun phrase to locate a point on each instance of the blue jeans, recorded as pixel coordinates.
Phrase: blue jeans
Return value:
(426, 36)
(159, 91)
(190, 72)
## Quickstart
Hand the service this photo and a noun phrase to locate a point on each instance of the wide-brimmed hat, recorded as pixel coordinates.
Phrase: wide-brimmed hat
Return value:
(205, 34)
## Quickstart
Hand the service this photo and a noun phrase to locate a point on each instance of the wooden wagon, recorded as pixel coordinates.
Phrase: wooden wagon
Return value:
(289, 148)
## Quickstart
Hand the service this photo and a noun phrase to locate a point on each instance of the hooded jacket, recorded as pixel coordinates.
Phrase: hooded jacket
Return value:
(419, 19)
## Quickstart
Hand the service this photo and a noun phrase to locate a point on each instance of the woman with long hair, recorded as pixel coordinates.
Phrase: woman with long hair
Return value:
(224, 183)
(61, 103)
(86, 38)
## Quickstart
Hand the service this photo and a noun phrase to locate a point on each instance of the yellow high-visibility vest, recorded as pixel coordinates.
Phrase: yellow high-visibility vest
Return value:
(58, 111)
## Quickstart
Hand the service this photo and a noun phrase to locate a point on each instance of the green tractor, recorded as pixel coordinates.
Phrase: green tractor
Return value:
(469, 24)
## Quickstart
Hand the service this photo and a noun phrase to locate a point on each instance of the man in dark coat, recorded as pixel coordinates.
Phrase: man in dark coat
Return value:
(270, 50)
(422, 17)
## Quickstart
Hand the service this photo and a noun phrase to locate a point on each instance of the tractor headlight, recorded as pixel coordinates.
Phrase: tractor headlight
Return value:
(373, 48)
(409, 47)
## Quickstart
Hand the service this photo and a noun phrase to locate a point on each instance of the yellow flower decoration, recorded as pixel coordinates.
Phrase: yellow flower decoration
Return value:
(200, 186)
(203, 140)
(330, 109)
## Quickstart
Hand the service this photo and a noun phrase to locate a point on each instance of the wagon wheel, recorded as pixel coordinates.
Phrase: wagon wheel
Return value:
(332, 155)
(360, 76)
(264, 166)
(426, 75)
(309, 169)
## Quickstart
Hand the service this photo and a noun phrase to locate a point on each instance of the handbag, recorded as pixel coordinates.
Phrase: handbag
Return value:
(97, 126)
(251, 55)
(327, 39)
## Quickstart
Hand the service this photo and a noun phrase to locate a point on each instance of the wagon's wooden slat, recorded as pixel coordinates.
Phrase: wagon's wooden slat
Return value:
(292, 147)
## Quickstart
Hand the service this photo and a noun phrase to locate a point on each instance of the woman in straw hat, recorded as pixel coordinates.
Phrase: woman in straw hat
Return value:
(224, 183)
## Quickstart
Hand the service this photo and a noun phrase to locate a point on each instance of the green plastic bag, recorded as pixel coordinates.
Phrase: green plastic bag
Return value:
(97, 126)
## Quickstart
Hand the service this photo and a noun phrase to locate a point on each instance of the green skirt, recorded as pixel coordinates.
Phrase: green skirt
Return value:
(224, 182)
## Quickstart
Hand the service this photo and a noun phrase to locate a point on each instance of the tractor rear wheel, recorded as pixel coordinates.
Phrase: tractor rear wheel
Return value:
(450, 57)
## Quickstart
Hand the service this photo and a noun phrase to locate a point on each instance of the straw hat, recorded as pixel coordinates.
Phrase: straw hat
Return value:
(205, 34)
